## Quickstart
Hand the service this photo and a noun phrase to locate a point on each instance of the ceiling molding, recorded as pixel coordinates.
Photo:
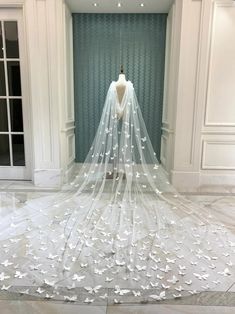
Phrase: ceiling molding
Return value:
(127, 6)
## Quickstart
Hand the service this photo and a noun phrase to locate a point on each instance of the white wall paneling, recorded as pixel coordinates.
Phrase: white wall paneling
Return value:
(71, 148)
(205, 114)
(163, 150)
(218, 123)
(220, 101)
(186, 110)
(218, 155)
(168, 60)
(171, 82)
(69, 94)
(69, 62)
(43, 57)
(48, 24)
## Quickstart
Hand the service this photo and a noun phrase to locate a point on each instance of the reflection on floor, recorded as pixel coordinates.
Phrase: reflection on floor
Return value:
(222, 201)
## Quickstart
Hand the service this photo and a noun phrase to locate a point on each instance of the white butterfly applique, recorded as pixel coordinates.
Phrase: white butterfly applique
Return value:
(93, 290)
(6, 263)
(120, 291)
(70, 299)
(173, 280)
(87, 300)
(225, 272)
(5, 287)
(39, 290)
(48, 296)
(201, 277)
(77, 277)
(159, 297)
(136, 293)
(20, 275)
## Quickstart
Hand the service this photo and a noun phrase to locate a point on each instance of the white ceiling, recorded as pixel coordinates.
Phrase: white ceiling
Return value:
(128, 6)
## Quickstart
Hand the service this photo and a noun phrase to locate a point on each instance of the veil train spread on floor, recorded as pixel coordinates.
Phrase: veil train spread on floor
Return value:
(121, 232)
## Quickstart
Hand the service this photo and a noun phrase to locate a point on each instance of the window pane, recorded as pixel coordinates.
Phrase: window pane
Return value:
(2, 80)
(4, 150)
(18, 150)
(1, 45)
(16, 115)
(3, 116)
(14, 78)
(11, 37)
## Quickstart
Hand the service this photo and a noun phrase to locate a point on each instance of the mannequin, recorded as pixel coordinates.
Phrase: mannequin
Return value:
(121, 85)
(121, 88)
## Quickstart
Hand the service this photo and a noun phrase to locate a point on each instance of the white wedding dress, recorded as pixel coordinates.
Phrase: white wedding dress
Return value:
(121, 232)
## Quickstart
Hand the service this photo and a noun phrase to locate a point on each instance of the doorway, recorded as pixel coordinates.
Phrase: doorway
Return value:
(15, 159)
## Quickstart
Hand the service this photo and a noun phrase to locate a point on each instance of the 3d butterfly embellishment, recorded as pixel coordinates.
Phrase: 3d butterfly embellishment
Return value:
(170, 260)
(173, 280)
(200, 277)
(180, 288)
(140, 268)
(159, 297)
(20, 275)
(160, 277)
(52, 256)
(154, 285)
(70, 299)
(145, 287)
(5, 287)
(93, 290)
(39, 290)
(182, 267)
(47, 296)
(189, 282)
(71, 287)
(225, 272)
(49, 283)
(119, 263)
(24, 291)
(136, 293)
(6, 263)
(99, 271)
(120, 291)
(77, 277)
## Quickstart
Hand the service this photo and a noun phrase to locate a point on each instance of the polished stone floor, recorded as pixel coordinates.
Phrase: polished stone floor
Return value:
(221, 200)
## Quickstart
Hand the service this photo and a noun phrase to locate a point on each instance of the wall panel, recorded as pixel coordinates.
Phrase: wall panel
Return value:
(218, 155)
(220, 103)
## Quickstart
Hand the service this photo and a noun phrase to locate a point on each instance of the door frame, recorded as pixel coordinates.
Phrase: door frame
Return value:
(20, 172)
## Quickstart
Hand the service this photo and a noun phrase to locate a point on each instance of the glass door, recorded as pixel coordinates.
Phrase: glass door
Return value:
(14, 164)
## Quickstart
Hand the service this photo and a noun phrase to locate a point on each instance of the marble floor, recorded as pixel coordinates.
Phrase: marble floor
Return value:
(221, 200)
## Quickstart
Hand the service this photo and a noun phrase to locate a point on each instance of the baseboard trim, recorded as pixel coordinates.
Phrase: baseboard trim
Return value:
(196, 181)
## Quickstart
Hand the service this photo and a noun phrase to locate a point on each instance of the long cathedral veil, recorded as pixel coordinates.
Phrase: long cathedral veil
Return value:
(120, 232)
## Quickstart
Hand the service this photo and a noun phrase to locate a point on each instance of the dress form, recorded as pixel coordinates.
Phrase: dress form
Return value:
(121, 86)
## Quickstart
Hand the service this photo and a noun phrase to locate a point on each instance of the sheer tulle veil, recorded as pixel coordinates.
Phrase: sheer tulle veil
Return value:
(121, 231)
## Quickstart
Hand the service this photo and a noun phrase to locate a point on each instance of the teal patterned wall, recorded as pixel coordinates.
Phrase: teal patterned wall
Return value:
(100, 42)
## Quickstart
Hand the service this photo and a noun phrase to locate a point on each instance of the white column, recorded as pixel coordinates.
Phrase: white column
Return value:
(185, 171)
(50, 75)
